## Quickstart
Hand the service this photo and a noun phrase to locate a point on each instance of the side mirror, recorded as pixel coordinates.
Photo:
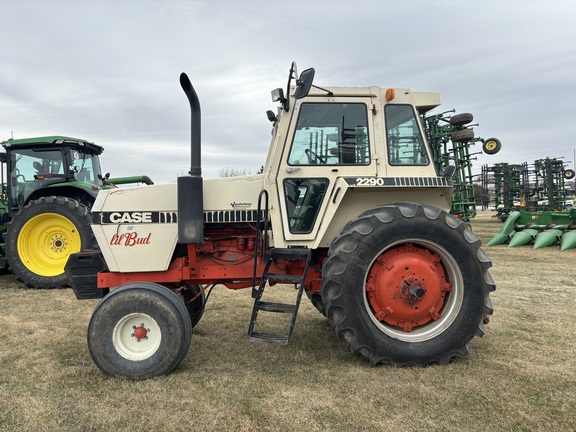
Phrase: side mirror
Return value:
(271, 116)
(304, 83)
(449, 171)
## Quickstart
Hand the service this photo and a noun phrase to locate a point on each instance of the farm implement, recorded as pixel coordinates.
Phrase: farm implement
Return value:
(541, 229)
(450, 138)
(540, 187)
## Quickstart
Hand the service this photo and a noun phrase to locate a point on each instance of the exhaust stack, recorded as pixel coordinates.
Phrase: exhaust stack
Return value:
(190, 188)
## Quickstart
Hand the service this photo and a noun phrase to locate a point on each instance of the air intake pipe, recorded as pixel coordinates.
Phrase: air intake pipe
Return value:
(190, 189)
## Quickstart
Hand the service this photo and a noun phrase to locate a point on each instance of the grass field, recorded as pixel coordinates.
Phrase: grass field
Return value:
(521, 376)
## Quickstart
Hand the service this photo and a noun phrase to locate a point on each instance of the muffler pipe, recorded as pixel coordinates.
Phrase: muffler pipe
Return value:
(190, 188)
(195, 125)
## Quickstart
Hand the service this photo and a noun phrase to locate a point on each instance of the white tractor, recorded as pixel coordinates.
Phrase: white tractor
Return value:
(348, 209)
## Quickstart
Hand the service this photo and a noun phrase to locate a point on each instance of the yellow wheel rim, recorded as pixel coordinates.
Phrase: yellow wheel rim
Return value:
(490, 145)
(45, 243)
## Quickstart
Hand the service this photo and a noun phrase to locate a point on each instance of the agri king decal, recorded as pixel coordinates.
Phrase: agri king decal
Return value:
(135, 217)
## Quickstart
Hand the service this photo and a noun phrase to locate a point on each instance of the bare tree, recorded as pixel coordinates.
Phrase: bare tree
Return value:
(233, 172)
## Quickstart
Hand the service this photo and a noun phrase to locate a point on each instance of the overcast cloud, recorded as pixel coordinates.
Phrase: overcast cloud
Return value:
(107, 71)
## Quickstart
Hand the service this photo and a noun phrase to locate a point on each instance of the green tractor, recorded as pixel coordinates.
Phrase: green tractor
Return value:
(48, 187)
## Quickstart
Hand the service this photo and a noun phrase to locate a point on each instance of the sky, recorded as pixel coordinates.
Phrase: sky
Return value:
(107, 71)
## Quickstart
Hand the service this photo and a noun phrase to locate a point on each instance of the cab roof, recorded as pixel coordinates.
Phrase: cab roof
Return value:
(55, 140)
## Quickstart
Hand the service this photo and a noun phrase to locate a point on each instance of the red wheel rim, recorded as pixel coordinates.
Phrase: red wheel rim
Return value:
(406, 287)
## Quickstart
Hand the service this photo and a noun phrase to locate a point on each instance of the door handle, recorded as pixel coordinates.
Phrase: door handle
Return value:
(292, 169)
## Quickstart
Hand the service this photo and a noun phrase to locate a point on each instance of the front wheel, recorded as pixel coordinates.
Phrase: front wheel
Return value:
(41, 237)
(139, 331)
(407, 284)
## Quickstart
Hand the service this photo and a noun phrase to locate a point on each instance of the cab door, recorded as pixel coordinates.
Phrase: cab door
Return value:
(331, 138)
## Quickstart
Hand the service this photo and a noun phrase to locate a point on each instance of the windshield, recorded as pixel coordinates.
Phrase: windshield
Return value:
(331, 134)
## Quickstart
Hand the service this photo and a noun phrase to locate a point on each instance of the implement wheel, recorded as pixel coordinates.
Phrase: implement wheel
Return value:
(461, 119)
(462, 136)
(139, 331)
(407, 284)
(491, 146)
(41, 237)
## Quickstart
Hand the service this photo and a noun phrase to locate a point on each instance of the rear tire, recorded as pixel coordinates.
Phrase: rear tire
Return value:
(139, 331)
(41, 237)
(196, 308)
(316, 300)
(384, 254)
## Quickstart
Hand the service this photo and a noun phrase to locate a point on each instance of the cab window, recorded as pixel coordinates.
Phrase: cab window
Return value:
(303, 200)
(331, 134)
(26, 165)
(85, 167)
(405, 142)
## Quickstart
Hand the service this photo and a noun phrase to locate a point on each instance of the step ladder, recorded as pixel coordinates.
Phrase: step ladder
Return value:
(290, 254)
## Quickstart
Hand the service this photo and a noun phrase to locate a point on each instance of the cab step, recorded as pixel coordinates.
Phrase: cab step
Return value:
(271, 307)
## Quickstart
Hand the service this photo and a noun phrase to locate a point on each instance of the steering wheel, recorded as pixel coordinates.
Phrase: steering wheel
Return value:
(313, 158)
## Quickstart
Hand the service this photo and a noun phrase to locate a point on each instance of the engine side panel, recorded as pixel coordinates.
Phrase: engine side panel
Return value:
(137, 228)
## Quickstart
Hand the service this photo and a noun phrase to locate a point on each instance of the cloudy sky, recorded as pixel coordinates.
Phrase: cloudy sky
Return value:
(107, 71)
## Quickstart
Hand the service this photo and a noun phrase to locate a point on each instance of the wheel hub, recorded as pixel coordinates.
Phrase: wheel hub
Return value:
(136, 336)
(140, 332)
(490, 145)
(406, 287)
(58, 243)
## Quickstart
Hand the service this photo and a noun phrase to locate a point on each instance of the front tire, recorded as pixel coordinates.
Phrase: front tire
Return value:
(41, 237)
(407, 284)
(139, 331)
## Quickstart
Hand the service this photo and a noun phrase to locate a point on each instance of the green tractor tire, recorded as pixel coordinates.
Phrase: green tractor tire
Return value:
(41, 237)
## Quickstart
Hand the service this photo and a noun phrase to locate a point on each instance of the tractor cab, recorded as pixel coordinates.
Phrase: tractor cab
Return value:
(31, 165)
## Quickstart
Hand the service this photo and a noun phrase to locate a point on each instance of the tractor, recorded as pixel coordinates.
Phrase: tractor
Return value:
(48, 187)
(349, 210)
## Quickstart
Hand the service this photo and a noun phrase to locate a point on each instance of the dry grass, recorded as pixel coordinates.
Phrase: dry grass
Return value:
(520, 377)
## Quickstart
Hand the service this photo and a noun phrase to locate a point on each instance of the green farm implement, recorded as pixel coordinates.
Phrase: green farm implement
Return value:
(540, 229)
(534, 188)
(450, 139)
(533, 202)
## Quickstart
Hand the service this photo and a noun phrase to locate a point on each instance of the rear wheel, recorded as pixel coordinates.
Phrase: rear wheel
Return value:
(407, 284)
(139, 331)
(316, 300)
(195, 308)
(41, 237)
